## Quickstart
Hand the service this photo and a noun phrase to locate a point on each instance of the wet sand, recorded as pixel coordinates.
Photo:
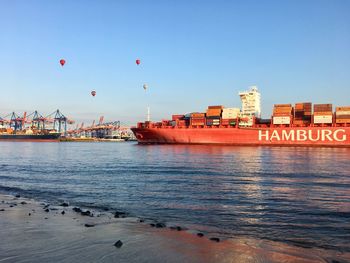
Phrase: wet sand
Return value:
(31, 233)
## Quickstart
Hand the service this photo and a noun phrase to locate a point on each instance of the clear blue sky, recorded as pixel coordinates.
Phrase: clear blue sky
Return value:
(193, 54)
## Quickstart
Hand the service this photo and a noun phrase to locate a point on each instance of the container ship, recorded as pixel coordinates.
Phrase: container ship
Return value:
(301, 124)
(28, 135)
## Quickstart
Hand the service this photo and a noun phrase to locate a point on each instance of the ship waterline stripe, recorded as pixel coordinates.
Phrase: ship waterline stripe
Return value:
(338, 135)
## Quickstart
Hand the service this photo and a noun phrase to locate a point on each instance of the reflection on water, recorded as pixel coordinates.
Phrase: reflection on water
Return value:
(295, 195)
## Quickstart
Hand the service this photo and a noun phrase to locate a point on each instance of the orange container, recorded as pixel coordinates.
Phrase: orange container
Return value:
(343, 108)
(197, 115)
(216, 107)
(282, 105)
(323, 113)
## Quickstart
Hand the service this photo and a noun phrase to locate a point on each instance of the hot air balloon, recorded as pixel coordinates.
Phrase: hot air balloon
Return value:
(62, 62)
(138, 61)
(93, 93)
(145, 86)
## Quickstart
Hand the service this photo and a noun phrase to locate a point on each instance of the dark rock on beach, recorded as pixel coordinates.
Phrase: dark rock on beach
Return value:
(47, 210)
(160, 225)
(178, 228)
(200, 234)
(141, 220)
(17, 196)
(65, 204)
(215, 239)
(118, 244)
(89, 225)
(23, 203)
(63, 212)
(77, 209)
(152, 225)
(118, 214)
(85, 213)
(2, 210)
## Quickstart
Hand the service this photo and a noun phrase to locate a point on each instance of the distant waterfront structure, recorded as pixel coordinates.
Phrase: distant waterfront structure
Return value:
(251, 102)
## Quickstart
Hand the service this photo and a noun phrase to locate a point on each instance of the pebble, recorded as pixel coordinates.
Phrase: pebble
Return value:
(141, 220)
(152, 225)
(118, 244)
(46, 218)
(64, 204)
(29, 214)
(200, 234)
(2, 210)
(23, 203)
(47, 210)
(18, 196)
(89, 225)
(63, 212)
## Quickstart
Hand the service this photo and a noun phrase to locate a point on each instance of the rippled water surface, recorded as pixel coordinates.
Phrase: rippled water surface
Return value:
(300, 196)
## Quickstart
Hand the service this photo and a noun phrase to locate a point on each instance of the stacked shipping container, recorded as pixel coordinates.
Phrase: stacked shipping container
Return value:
(214, 115)
(302, 113)
(323, 114)
(197, 119)
(229, 116)
(342, 114)
(282, 113)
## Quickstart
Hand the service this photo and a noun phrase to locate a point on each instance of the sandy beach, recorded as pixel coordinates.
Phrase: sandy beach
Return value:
(33, 231)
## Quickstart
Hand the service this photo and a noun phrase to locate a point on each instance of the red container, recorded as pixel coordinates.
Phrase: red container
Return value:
(177, 117)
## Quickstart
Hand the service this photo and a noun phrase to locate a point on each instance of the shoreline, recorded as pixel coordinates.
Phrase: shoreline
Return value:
(40, 232)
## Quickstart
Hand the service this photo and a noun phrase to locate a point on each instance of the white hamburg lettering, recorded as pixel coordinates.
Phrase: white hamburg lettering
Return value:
(338, 135)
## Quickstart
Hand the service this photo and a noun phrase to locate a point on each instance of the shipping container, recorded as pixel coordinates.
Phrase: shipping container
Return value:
(197, 115)
(216, 107)
(233, 110)
(323, 113)
(230, 115)
(343, 108)
(342, 121)
(327, 119)
(281, 120)
(284, 110)
(213, 112)
(343, 116)
(282, 105)
(338, 113)
(177, 117)
(197, 121)
(322, 107)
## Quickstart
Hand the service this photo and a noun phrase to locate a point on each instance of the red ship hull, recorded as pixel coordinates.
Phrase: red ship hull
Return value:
(277, 136)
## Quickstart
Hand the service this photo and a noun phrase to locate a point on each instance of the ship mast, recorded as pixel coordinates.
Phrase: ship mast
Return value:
(148, 114)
